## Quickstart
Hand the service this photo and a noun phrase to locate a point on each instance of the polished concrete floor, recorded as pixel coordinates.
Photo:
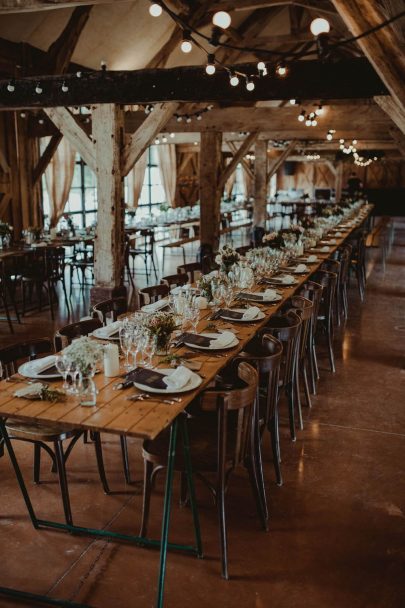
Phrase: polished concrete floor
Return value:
(337, 529)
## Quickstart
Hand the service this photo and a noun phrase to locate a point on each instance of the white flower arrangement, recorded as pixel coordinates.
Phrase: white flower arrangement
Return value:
(85, 353)
(227, 256)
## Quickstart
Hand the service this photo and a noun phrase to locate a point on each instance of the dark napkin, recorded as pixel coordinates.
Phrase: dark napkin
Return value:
(196, 339)
(49, 370)
(250, 296)
(230, 314)
(148, 377)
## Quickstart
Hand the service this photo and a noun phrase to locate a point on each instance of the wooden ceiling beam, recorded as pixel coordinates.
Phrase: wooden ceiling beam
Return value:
(238, 155)
(395, 111)
(143, 137)
(233, 148)
(60, 52)
(280, 160)
(46, 157)
(70, 128)
(346, 79)
(381, 47)
(321, 6)
(27, 6)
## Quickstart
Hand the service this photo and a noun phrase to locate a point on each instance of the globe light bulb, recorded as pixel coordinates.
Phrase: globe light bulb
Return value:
(293, 102)
(210, 67)
(172, 135)
(164, 140)
(250, 85)
(329, 137)
(157, 141)
(222, 19)
(10, 87)
(155, 10)
(281, 70)
(261, 66)
(341, 141)
(234, 81)
(320, 25)
(319, 111)
(38, 89)
(186, 46)
(314, 123)
(308, 122)
(64, 88)
(301, 117)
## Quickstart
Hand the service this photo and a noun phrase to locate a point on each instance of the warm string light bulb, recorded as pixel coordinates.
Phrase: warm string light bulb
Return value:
(11, 87)
(64, 87)
(319, 111)
(155, 10)
(221, 19)
(301, 116)
(234, 80)
(210, 67)
(38, 89)
(281, 70)
(250, 85)
(186, 45)
(320, 25)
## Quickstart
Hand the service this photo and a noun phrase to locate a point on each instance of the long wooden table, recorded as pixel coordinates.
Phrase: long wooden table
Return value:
(142, 419)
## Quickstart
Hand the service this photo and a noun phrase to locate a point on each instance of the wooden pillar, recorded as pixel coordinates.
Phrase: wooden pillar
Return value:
(339, 181)
(210, 193)
(108, 140)
(260, 203)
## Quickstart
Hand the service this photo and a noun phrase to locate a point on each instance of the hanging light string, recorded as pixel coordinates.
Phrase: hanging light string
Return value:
(185, 26)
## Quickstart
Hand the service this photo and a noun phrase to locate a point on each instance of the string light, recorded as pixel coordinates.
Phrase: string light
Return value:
(79, 74)
(186, 45)
(319, 111)
(281, 70)
(11, 87)
(64, 87)
(329, 135)
(222, 19)
(261, 67)
(172, 135)
(301, 116)
(164, 139)
(155, 10)
(293, 102)
(313, 156)
(234, 80)
(38, 89)
(319, 26)
(157, 141)
(210, 67)
(250, 85)
(198, 114)
(23, 114)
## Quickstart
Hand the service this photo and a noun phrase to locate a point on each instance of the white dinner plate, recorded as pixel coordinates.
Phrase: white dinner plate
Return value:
(193, 383)
(26, 370)
(98, 333)
(232, 344)
(259, 316)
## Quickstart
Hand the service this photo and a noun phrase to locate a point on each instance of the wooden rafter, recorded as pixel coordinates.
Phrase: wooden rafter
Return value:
(238, 155)
(233, 147)
(46, 157)
(27, 6)
(60, 52)
(279, 161)
(395, 111)
(142, 138)
(70, 128)
(322, 6)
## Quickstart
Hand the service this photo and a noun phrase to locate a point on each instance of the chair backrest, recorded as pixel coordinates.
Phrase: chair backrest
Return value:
(243, 250)
(55, 262)
(328, 280)
(65, 335)
(175, 280)
(192, 269)
(312, 291)
(286, 328)
(153, 293)
(11, 356)
(114, 307)
(241, 400)
(304, 308)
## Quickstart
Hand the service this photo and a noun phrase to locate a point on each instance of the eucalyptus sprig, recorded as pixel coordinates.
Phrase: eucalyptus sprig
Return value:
(53, 395)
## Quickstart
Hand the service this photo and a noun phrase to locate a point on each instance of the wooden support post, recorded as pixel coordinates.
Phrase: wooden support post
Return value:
(210, 194)
(339, 181)
(260, 204)
(68, 125)
(108, 137)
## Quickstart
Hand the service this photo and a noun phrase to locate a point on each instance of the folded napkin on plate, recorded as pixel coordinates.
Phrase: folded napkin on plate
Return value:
(301, 268)
(269, 294)
(325, 249)
(178, 378)
(155, 306)
(33, 389)
(109, 330)
(332, 241)
(225, 338)
(311, 259)
(252, 312)
(338, 234)
(287, 279)
(40, 365)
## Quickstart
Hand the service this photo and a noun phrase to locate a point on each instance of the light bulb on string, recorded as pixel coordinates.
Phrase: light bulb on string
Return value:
(281, 70)
(186, 45)
(157, 141)
(329, 136)
(164, 139)
(261, 67)
(179, 118)
(210, 67)
(155, 10)
(188, 119)
(78, 74)
(234, 80)
(319, 26)
(314, 122)
(11, 87)
(308, 122)
(293, 102)
(38, 89)
(301, 116)
(23, 114)
(64, 87)
(341, 141)
(250, 85)
(172, 135)
(222, 19)
(199, 117)
(319, 110)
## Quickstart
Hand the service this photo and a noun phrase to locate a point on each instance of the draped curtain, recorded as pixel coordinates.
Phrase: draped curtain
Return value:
(167, 168)
(248, 183)
(135, 180)
(230, 182)
(58, 178)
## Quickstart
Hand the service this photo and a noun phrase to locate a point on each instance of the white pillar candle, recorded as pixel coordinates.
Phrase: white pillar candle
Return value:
(111, 361)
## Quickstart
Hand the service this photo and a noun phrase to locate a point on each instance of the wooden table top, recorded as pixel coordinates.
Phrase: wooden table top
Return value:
(113, 413)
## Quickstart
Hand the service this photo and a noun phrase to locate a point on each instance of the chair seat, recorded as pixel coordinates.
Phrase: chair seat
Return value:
(37, 432)
(203, 431)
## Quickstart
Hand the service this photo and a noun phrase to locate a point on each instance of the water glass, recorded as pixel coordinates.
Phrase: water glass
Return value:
(61, 364)
(126, 338)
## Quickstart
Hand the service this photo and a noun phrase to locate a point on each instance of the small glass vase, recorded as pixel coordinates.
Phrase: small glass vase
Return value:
(163, 344)
(88, 391)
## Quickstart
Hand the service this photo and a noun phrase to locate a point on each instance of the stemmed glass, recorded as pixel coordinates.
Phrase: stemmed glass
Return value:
(149, 349)
(228, 295)
(74, 372)
(126, 339)
(140, 338)
(61, 365)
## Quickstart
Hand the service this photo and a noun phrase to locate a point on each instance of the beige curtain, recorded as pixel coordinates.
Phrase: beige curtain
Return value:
(229, 182)
(167, 168)
(58, 178)
(135, 180)
(248, 182)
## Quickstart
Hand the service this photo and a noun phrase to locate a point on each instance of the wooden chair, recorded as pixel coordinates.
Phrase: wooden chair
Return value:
(328, 280)
(243, 250)
(41, 435)
(221, 439)
(312, 291)
(192, 269)
(4, 296)
(304, 308)
(264, 352)
(113, 307)
(149, 295)
(64, 336)
(146, 251)
(358, 262)
(175, 280)
(286, 328)
(334, 266)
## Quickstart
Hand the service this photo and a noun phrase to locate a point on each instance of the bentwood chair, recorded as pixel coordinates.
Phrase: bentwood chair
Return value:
(328, 280)
(343, 254)
(222, 438)
(145, 249)
(4, 296)
(40, 434)
(286, 328)
(192, 269)
(175, 280)
(334, 266)
(358, 262)
(150, 295)
(264, 352)
(112, 308)
(312, 291)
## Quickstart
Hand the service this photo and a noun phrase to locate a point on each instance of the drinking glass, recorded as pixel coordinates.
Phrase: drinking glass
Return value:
(150, 348)
(126, 338)
(228, 295)
(74, 372)
(61, 365)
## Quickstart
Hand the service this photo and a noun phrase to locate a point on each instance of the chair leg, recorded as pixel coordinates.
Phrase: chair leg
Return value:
(330, 349)
(100, 463)
(125, 458)
(315, 360)
(60, 463)
(183, 489)
(306, 385)
(298, 397)
(4, 298)
(273, 428)
(147, 489)
(220, 495)
(37, 462)
(290, 397)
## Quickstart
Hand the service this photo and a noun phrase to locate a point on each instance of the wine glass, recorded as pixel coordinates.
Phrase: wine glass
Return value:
(126, 338)
(73, 370)
(149, 349)
(228, 295)
(61, 365)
